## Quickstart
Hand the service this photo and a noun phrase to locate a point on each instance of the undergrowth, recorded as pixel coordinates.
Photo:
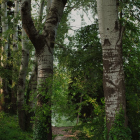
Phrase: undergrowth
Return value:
(9, 129)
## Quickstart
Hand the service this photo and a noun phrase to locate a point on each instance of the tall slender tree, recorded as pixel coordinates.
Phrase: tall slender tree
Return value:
(1, 91)
(15, 50)
(44, 44)
(22, 80)
(15, 35)
(33, 80)
(111, 33)
(5, 51)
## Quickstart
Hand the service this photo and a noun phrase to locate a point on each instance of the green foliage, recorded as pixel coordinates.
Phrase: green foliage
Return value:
(43, 110)
(93, 129)
(40, 132)
(9, 129)
(131, 57)
(118, 130)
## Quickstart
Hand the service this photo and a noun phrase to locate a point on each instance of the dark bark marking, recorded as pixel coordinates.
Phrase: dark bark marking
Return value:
(109, 54)
(107, 28)
(52, 20)
(49, 48)
(20, 82)
(43, 59)
(39, 43)
(115, 65)
(14, 45)
(24, 8)
(52, 35)
(117, 2)
(106, 65)
(26, 3)
(107, 42)
(64, 2)
(109, 91)
(24, 53)
(116, 25)
(47, 70)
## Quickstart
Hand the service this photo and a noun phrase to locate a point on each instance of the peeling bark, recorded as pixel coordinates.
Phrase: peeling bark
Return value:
(113, 74)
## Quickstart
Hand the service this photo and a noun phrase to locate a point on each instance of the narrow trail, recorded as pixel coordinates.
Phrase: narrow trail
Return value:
(62, 134)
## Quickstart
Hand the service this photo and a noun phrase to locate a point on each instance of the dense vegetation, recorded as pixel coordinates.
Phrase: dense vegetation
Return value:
(10, 130)
(76, 93)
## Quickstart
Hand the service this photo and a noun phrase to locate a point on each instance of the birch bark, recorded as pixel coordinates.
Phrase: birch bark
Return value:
(113, 74)
(15, 49)
(43, 44)
(31, 99)
(1, 90)
(5, 51)
(41, 10)
(21, 82)
(33, 80)
(4, 25)
(15, 35)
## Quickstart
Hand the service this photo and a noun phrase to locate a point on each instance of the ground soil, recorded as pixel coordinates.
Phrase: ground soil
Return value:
(63, 133)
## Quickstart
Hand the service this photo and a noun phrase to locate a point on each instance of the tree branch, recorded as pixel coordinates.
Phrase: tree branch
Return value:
(28, 25)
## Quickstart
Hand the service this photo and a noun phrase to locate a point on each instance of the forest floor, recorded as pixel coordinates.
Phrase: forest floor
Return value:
(63, 133)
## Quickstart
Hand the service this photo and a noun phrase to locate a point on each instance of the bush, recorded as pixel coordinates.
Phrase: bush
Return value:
(9, 129)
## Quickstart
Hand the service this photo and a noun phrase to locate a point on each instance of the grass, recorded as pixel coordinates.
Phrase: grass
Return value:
(9, 129)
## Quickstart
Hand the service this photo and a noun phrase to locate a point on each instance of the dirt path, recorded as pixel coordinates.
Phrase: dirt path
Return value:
(59, 131)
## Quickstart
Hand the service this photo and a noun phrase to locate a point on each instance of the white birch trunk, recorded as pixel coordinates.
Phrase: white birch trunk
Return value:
(32, 92)
(1, 90)
(113, 74)
(15, 35)
(4, 51)
(41, 10)
(4, 25)
(22, 80)
(15, 60)
(33, 85)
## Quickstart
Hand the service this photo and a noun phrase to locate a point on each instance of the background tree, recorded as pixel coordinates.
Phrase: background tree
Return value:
(15, 58)
(5, 52)
(22, 80)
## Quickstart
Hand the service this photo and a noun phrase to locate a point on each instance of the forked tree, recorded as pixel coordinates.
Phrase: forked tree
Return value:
(44, 44)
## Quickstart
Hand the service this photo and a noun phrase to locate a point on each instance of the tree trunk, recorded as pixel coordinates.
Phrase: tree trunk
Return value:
(41, 10)
(5, 53)
(44, 50)
(15, 50)
(15, 35)
(22, 80)
(1, 47)
(32, 89)
(113, 74)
